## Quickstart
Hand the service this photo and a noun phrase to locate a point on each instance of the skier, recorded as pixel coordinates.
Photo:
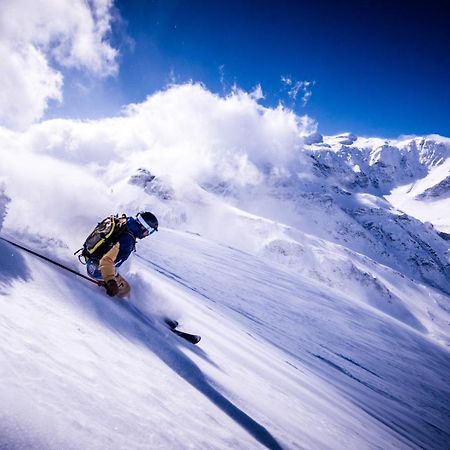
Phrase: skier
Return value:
(118, 250)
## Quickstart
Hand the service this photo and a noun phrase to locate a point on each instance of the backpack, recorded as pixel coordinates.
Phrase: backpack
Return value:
(103, 237)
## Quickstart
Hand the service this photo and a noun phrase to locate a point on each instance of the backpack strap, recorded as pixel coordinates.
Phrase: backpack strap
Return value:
(81, 256)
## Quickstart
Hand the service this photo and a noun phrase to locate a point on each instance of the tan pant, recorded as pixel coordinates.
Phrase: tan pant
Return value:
(108, 270)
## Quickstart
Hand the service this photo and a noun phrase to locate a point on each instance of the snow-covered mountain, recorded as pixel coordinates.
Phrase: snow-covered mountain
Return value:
(316, 269)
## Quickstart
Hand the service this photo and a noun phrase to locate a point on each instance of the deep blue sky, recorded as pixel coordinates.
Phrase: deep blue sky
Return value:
(380, 67)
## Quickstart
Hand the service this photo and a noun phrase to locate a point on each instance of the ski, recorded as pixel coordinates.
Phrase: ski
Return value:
(192, 338)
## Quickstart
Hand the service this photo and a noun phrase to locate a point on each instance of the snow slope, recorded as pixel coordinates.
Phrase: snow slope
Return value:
(315, 268)
(283, 361)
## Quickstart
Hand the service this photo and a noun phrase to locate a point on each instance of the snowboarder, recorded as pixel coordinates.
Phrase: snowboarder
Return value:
(115, 248)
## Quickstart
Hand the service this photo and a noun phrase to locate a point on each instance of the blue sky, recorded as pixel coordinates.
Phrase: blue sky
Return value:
(377, 69)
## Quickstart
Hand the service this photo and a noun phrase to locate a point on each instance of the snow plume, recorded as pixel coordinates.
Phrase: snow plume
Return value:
(186, 136)
(203, 135)
(39, 37)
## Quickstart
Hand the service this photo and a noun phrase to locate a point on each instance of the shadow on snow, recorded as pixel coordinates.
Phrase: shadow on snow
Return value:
(160, 341)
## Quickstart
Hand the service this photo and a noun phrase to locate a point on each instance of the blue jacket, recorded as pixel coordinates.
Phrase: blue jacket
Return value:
(127, 240)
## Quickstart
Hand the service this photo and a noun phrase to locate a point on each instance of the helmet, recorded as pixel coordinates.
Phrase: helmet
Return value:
(148, 221)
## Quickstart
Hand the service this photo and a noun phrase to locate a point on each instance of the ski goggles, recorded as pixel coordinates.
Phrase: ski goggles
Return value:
(145, 225)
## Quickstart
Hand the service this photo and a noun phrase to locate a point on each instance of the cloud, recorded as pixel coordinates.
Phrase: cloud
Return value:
(38, 40)
(298, 87)
(28, 83)
(286, 80)
(204, 135)
(186, 135)
(221, 70)
(185, 130)
(257, 92)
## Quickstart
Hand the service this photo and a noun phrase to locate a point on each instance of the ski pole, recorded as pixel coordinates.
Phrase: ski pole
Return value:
(50, 261)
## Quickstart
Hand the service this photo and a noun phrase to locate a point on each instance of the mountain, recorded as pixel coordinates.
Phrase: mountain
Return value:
(332, 211)
(319, 280)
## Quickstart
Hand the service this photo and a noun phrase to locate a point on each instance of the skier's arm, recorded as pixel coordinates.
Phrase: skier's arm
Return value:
(107, 263)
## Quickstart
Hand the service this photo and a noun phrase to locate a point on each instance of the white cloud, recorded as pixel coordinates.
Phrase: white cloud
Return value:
(37, 39)
(257, 92)
(186, 135)
(28, 83)
(221, 69)
(298, 87)
(286, 80)
(205, 135)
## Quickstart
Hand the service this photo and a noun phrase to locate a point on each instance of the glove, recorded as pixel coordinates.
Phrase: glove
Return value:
(112, 288)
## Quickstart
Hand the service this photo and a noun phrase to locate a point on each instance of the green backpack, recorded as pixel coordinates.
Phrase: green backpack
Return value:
(103, 237)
